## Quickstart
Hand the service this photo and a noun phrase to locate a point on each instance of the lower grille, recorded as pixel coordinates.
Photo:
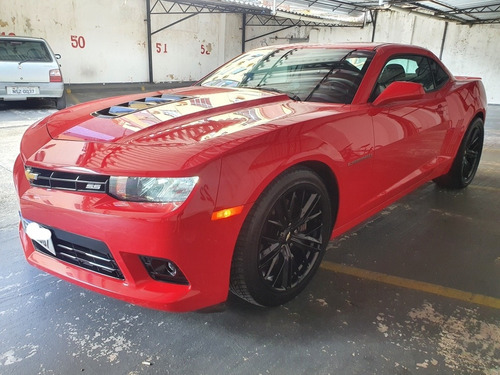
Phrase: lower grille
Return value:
(83, 252)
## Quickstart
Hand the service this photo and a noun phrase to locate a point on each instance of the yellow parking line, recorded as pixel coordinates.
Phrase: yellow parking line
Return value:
(421, 286)
(71, 96)
(488, 188)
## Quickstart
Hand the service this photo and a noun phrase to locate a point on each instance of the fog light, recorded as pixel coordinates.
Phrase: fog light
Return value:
(163, 270)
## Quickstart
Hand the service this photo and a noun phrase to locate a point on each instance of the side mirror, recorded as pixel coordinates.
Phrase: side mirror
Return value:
(400, 90)
(58, 56)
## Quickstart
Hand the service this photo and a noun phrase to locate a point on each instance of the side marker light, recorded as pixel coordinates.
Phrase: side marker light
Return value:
(226, 213)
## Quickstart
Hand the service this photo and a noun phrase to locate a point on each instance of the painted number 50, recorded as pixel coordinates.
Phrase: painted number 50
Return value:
(77, 41)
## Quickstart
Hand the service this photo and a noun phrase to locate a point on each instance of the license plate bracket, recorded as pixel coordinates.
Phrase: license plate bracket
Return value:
(23, 90)
(39, 234)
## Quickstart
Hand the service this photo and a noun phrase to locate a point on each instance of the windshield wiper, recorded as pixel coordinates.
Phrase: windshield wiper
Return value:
(25, 60)
(272, 89)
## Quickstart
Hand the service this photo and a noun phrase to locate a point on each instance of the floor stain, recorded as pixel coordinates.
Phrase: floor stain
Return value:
(462, 340)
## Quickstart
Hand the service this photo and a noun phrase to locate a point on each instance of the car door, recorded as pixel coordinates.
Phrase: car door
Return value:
(408, 133)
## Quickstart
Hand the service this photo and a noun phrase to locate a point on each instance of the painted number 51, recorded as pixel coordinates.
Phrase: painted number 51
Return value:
(161, 48)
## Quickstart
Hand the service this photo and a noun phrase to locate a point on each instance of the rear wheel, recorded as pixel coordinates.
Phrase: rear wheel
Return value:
(283, 239)
(466, 161)
(61, 102)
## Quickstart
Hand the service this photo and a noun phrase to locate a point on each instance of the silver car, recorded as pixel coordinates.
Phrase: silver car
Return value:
(29, 69)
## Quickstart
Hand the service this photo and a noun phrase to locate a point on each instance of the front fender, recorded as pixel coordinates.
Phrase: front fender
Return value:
(246, 172)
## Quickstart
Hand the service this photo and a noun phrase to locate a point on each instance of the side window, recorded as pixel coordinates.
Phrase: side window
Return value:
(423, 75)
(440, 76)
(412, 68)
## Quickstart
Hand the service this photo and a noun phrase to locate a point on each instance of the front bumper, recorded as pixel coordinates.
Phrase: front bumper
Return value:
(200, 247)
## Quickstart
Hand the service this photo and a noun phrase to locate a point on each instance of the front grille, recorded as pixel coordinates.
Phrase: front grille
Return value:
(83, 252)
(67, 181)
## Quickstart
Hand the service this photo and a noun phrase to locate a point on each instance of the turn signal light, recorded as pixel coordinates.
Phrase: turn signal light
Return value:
(227, 212)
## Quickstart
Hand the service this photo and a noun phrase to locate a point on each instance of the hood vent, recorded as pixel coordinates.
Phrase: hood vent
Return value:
(137, 105)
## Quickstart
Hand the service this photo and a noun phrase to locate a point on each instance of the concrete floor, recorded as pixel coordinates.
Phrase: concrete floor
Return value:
(415, 290)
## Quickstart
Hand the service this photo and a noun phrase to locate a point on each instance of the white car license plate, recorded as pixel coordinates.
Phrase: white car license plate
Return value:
(22, 90)
(39, 234)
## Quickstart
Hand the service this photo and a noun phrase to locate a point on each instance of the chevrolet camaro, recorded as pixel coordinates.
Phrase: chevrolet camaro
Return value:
(172, 199)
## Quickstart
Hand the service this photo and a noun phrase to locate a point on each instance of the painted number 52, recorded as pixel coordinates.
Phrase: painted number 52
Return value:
(205, 50)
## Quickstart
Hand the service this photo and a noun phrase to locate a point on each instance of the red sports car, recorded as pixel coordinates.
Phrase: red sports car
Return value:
(171, 199)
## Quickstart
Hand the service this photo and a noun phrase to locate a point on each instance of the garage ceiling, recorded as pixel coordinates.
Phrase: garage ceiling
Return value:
(355, 11)
(335, 12)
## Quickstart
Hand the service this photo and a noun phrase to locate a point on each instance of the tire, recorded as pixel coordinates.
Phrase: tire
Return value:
(466, 161)
(61, 102)
(283, 239)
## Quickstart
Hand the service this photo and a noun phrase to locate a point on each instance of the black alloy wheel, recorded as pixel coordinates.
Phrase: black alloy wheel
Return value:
(472, 153)
(467, 160)
(283, 239)
(291, 238)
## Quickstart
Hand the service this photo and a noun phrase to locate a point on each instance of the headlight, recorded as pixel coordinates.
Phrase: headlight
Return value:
(147, 189)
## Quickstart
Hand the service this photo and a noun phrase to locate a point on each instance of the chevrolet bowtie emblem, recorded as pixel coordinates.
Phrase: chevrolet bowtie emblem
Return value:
(31, 176)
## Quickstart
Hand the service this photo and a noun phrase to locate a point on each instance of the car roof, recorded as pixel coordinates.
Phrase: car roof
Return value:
(24, 38)
(363, 46)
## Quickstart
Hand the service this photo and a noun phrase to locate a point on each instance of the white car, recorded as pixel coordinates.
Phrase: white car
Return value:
(29, 69)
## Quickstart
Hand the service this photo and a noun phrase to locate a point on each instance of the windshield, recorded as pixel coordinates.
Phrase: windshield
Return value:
(306, 74)
(24, 50)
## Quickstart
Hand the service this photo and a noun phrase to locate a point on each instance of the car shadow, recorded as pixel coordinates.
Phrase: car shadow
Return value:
(27, 104)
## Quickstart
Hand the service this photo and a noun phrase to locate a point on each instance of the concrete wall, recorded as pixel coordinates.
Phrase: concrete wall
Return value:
(190, 49)
(98, 41)
(294, 34)
(474, 51)
(107, 41)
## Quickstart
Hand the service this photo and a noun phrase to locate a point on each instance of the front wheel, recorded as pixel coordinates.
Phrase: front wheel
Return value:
(283, 239)
(466, 161)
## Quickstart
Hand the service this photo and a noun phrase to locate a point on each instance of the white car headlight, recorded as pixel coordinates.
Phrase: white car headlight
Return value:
(148, 189)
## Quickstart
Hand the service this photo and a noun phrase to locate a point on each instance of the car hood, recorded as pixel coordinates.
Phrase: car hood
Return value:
(190, 115)
(196, 125)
